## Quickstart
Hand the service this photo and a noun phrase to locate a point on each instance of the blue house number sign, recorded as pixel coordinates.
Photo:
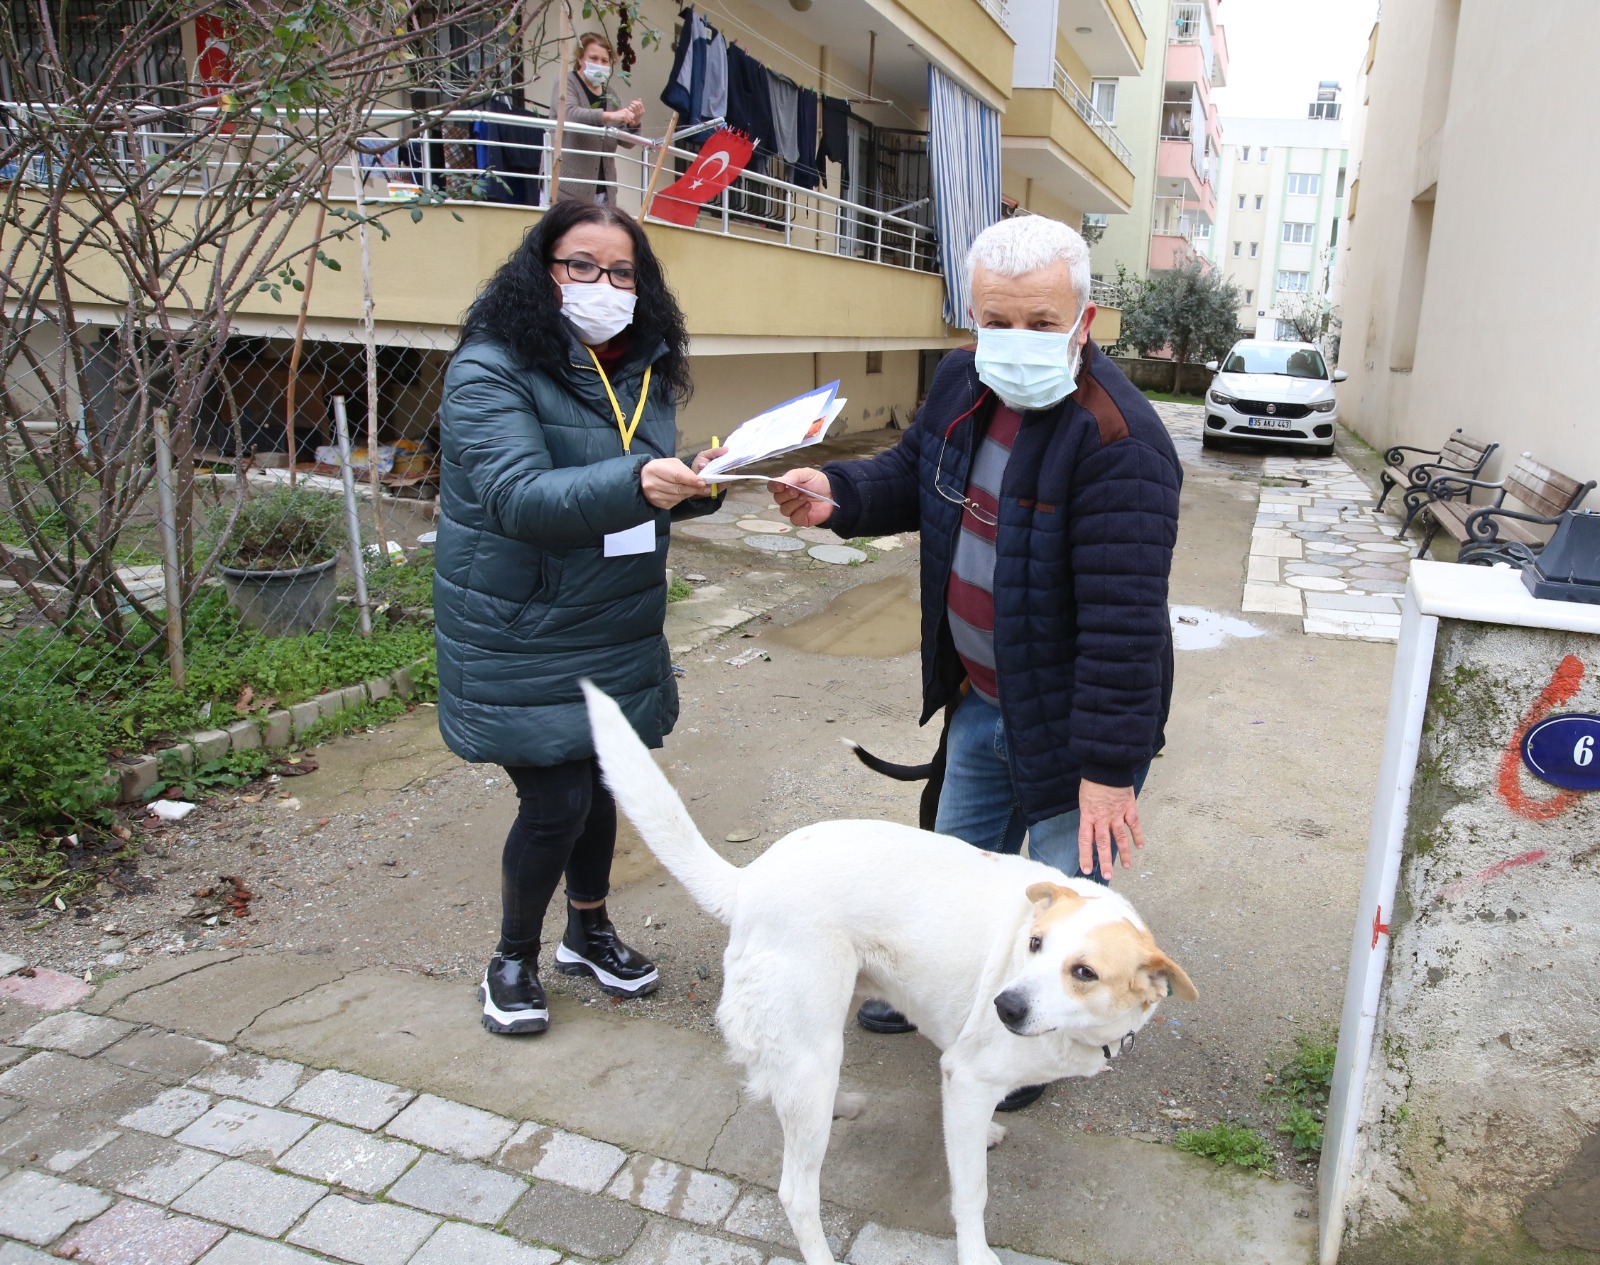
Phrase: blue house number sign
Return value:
(1565, 751)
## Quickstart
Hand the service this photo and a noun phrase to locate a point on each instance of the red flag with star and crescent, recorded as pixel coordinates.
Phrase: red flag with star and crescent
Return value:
(719, 163)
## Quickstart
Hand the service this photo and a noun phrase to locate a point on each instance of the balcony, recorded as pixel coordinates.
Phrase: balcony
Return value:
(1108, 35)
(1056, 137)
(1193, 26)
(1179, 232)
(1184, 167)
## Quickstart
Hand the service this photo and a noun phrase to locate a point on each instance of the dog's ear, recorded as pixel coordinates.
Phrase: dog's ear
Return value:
(1045, 895)
(1161, 967)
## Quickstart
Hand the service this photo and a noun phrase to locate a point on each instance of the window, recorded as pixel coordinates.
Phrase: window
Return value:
(1249, 296)
(1105, 99)
(1258, 201)
(1294, 282)
(1326, 110)
(874, 362)
(1338, 189)
(1255, 248)
(1299, 234)
(1304, 182)
(1262, 157)
(1287, 362)
(1241, 201)
(1236, 246)
(1202, 231)
(1244, 153)
(1333, 231)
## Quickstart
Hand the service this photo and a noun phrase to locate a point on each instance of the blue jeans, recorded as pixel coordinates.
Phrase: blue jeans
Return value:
(979, 802)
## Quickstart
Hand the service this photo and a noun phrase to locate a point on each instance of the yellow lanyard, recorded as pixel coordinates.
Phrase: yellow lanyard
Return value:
(626, 428)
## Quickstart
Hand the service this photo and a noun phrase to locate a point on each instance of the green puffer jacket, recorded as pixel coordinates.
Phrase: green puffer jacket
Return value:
(533, 477)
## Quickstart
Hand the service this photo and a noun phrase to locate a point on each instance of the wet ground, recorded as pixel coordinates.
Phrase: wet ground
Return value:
(1257, 813)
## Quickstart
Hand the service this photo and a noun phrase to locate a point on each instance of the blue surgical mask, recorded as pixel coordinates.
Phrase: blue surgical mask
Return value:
(1029, 368)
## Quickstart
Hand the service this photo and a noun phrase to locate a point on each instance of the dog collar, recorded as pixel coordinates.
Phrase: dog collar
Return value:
(1123, 1046)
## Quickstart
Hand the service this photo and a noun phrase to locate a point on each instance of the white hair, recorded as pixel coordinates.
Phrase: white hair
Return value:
(1027, 243)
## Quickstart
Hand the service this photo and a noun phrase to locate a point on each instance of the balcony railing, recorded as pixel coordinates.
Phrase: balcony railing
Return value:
(1000, 11)
(1191, 24)
(1079, 101)
(408, 160)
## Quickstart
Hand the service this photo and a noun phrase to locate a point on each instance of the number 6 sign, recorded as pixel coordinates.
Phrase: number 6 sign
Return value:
(1561, 751)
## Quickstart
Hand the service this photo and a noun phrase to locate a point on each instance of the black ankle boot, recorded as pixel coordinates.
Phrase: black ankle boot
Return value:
(591, 947)
(512, 997)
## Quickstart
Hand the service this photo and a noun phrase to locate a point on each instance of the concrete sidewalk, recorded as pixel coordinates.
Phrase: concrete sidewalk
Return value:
(178, 1115)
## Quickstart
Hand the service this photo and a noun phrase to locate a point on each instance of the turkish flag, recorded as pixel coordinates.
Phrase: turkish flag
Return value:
(720, 161)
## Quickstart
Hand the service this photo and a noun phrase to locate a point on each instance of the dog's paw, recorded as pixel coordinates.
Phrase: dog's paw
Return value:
(848, 1106)
(997, 1134)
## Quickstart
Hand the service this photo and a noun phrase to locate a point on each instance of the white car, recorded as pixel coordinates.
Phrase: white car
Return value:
(1273, 390)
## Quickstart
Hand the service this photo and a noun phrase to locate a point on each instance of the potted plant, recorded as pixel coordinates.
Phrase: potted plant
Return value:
(278, 564)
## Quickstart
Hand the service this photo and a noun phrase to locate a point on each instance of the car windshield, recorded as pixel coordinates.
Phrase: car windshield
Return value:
(1293, 362)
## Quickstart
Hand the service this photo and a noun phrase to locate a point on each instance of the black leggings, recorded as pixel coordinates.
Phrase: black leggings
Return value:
(566, 821)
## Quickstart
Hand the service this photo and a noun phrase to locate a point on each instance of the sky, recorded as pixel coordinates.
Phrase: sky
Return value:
(1279, 49)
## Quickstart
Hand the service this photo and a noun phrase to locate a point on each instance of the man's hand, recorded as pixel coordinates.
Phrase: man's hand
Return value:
(666, 481)
(1104, 813)
(797, 507)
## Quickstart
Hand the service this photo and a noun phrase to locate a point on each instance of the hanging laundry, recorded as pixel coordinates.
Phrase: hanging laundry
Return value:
(785, 97)
(749, 102)
(509, 153)
(805, 173)
(835, 136)
(714, 98)
(685, 90)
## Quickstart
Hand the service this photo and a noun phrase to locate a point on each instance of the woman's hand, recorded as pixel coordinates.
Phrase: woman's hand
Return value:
(635, 112)
(797, 507)
(710, 454)
(666, 481)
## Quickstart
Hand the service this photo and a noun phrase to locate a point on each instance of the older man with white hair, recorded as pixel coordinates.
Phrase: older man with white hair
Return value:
(1046, 491)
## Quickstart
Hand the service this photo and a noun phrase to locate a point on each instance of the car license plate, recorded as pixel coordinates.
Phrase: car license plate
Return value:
(1269, 423)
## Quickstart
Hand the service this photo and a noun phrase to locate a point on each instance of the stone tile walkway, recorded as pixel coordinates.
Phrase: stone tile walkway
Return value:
(123, 1144)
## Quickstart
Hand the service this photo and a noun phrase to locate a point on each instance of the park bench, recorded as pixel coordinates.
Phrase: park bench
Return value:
(1461, 454)
(1495, 532)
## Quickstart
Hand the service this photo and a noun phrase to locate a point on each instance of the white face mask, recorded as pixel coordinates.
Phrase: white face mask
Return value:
(1027, 368)
(597, 75)
(597, 311)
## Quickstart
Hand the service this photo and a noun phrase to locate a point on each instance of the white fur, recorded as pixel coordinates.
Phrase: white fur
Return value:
(930, 924)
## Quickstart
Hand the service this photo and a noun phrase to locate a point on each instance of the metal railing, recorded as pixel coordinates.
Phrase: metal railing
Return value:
(401, 161)
(1000, 11)
(1191, 24)
(1080, 101)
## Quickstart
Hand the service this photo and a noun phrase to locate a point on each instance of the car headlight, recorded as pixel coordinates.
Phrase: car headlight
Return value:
(1218, 397)
(1324, 406)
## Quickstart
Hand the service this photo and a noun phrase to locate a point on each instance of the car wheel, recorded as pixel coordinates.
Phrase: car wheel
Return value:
(1208, 439)
(1324, 450)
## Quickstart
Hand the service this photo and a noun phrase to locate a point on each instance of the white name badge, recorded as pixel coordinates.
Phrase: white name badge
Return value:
(640, 539)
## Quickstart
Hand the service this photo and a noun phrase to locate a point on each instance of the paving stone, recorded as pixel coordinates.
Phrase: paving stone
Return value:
(304, 715)
(73, 1032)
(171, 1110)
(246, 1249)
(453, 1243)
(157, 1170)
(442, 1125)
(774, 544)
(878, 1245)
(350, 1099)
(165, 1055)
(210, 745)
(10, 963)
(759, 1215)
(278, 730)
(673, 1190)
(1319, 602)
(249, 1076)
(250, 1198)
(366, 1233)
(243, 1129)
(574, 1221)
(667, 1244)
(58, 1140)
(63, 1082)
(8, 1108)
(45, 989)
(38, 1208)
(137, 1234)
(838, 555)
(346, 1157)
(17, 1254)
(453, 1189)
(559, 1156)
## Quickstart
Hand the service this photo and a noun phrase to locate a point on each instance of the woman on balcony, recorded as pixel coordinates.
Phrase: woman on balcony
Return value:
(588, 170)
(557, 429)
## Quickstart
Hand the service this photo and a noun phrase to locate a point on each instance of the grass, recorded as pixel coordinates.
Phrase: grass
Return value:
(1166, 397)
(1302, 1086)
(679, 589)
(1240, 1145)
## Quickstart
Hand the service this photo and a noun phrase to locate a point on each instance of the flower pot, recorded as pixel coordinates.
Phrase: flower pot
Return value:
(280, 603)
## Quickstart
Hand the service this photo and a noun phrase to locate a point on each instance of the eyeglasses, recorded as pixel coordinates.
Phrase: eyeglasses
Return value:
(586, 271)
(966, 502)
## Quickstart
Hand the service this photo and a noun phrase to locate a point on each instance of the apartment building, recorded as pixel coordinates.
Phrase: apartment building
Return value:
(1280, 203)
(785, 284)
(1469, 284)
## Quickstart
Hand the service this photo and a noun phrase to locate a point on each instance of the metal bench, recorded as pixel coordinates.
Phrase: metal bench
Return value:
(1461, 454)
(1495, 532)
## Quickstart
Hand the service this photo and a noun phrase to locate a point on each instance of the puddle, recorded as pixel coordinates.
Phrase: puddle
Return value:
(1208, 629)
(875, 621)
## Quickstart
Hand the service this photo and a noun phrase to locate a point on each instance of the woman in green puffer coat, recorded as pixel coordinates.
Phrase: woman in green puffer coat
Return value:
(557, 432)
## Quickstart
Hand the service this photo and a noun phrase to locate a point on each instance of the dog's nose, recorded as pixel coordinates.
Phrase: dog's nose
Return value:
(1012, 1008)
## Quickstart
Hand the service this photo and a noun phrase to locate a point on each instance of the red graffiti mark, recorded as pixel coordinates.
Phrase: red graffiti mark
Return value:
(1563, 685)
(1379, 927)
(1489, 873)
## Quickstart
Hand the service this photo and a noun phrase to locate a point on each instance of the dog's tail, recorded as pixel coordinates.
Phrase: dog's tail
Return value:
(657, 813)
(900, 772)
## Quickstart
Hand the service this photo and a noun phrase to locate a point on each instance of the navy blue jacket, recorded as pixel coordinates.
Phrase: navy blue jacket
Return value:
(1088, 519)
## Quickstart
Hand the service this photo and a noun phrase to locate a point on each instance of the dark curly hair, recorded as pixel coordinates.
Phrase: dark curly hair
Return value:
(520, 306)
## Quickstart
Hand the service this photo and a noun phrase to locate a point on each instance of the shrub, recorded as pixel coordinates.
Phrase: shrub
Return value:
(281, 529)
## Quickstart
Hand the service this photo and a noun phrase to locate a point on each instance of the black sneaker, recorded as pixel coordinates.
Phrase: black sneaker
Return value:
(1022, 1096)
(880, 1016)
(512, 997)
(591, 947)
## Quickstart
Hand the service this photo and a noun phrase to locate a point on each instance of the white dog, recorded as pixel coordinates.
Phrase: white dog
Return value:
(1018, 975)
